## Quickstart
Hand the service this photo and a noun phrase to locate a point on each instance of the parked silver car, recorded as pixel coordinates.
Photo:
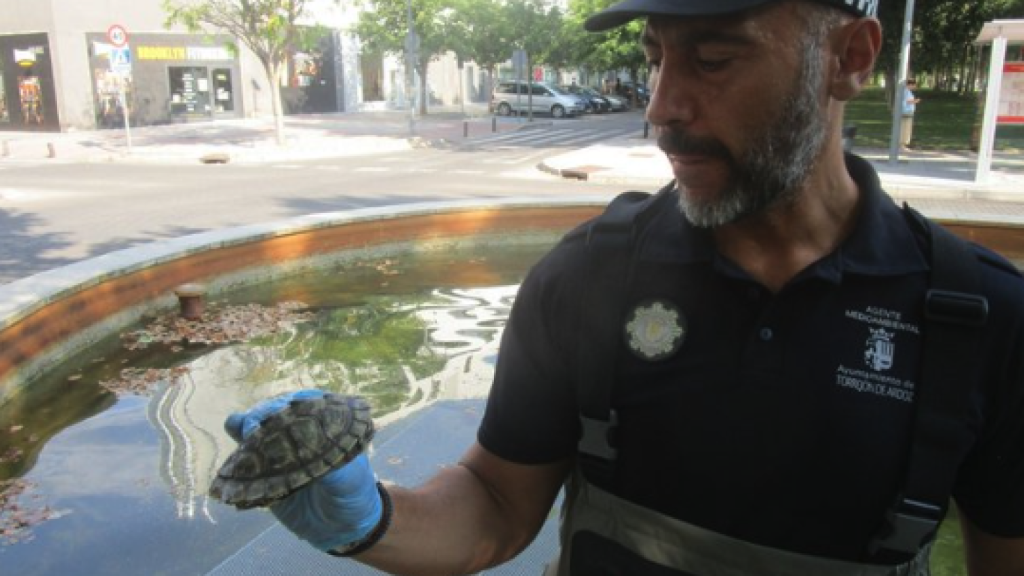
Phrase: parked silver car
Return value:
(515, 97)
(617, 103)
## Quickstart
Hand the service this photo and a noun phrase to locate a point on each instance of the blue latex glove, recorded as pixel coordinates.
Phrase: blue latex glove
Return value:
(338, 509)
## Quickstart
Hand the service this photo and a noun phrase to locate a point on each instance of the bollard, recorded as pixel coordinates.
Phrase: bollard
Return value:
(465, 129)
(190, 298)
(647, 128)
(51, 152)
(494, 123)
(6, 151)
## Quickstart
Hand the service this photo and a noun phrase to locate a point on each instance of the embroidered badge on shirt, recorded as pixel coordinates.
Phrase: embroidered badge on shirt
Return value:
(880, 349)
(655, 330)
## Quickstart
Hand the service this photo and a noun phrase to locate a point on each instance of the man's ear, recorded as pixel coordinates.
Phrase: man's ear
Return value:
(855, 48)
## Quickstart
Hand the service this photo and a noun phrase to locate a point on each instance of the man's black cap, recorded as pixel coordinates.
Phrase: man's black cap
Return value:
(619, 14)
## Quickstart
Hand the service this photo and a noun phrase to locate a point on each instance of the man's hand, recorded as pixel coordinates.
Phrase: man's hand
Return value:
(334, 511)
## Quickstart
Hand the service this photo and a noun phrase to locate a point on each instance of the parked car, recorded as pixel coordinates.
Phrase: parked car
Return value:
(594, 101)
(643, 95)
(514, 97)
(616, 102)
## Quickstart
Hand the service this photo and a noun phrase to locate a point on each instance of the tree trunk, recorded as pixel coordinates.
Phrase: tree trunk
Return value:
(635, 78)
(890, 88)
(422, 68)
(274, 75)
(462, 86)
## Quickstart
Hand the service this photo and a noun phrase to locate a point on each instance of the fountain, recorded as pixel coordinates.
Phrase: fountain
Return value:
(120, 479)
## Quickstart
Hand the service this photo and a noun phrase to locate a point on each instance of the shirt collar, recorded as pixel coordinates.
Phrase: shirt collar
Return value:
(881, 243)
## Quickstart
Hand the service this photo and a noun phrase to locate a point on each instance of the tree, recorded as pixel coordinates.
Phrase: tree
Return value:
(383, 26)
(480, 34)
(1004, 9)
(268, 27)
(476, 32)
(942, 40)
(530, 26)
(616, 49)
(558, 52)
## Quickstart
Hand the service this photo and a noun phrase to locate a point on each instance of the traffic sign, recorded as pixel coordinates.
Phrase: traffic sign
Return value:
(121, 61)
(117, 35)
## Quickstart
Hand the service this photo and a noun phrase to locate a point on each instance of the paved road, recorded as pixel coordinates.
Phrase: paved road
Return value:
(55, 214)
(589, 131)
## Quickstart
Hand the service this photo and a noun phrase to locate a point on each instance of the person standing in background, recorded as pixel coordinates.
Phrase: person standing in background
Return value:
(910, 102)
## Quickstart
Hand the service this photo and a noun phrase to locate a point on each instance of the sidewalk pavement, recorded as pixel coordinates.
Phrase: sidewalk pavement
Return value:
(253, 140)
(942, 184)
(939, 183)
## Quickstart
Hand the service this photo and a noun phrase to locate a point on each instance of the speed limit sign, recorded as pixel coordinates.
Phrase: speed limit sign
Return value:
(117, 36)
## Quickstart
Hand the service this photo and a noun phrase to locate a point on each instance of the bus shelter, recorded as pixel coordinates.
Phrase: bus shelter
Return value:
(1004, 99)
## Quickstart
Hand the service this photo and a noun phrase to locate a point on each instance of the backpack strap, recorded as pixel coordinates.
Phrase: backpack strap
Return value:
(611, 241)
(954, 314)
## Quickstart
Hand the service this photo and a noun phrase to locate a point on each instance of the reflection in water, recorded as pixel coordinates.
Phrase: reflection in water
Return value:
(401, 355)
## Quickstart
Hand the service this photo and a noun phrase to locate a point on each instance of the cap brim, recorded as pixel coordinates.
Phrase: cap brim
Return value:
(623, 12)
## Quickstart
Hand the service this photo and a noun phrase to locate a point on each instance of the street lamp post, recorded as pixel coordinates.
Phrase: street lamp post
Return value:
(412, 45)
(901, 83)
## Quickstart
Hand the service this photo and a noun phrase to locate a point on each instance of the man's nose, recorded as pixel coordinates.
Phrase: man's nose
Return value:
(672, 99)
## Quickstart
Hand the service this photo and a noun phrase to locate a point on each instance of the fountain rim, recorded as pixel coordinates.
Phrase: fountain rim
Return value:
(48, 317)
(20, 298)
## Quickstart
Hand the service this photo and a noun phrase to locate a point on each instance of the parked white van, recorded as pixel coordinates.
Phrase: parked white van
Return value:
(513, 96)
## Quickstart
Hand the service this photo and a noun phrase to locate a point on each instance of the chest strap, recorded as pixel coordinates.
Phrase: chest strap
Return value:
(611, 241)
(954, 314)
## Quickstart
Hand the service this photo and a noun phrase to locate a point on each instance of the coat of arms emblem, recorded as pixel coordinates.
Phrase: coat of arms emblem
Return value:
(655, 330)
(880, 349)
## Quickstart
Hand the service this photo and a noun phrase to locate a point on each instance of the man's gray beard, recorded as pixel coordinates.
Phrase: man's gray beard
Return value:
(777, 161)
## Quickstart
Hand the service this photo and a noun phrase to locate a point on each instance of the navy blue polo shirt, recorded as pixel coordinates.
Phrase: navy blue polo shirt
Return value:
(783, 418)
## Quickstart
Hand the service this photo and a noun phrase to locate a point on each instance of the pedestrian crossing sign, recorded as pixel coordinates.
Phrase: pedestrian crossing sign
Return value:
(121, 61)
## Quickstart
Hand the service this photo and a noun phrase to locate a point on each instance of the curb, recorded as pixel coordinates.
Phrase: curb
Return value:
(593, 174)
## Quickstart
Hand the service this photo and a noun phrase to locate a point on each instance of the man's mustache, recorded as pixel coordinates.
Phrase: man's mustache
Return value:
(679, 143)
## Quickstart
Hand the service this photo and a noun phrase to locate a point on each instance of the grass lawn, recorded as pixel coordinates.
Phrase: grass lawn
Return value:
(943, 122)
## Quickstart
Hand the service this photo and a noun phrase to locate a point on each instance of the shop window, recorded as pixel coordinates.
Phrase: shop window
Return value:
(190, 91)
(223, 94)
(109, 89)
(5, 116)
(30, 93)
(307, 69)
(372, 68)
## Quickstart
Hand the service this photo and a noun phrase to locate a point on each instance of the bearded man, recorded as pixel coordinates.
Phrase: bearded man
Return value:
(735, 392)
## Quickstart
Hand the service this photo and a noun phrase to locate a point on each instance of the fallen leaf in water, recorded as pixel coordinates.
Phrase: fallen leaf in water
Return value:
(141, 382)
(11, 455)
(17, 520)
(220, 325)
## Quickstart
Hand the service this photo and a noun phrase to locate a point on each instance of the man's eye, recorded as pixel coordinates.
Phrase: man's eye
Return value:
(712, 65)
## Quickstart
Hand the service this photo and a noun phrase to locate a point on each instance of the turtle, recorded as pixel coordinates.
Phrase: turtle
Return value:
(293, 447)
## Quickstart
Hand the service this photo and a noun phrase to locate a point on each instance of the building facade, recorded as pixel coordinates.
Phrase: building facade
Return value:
(60, 70)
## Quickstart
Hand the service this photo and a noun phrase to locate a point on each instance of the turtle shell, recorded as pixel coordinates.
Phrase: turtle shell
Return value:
(293, 447)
